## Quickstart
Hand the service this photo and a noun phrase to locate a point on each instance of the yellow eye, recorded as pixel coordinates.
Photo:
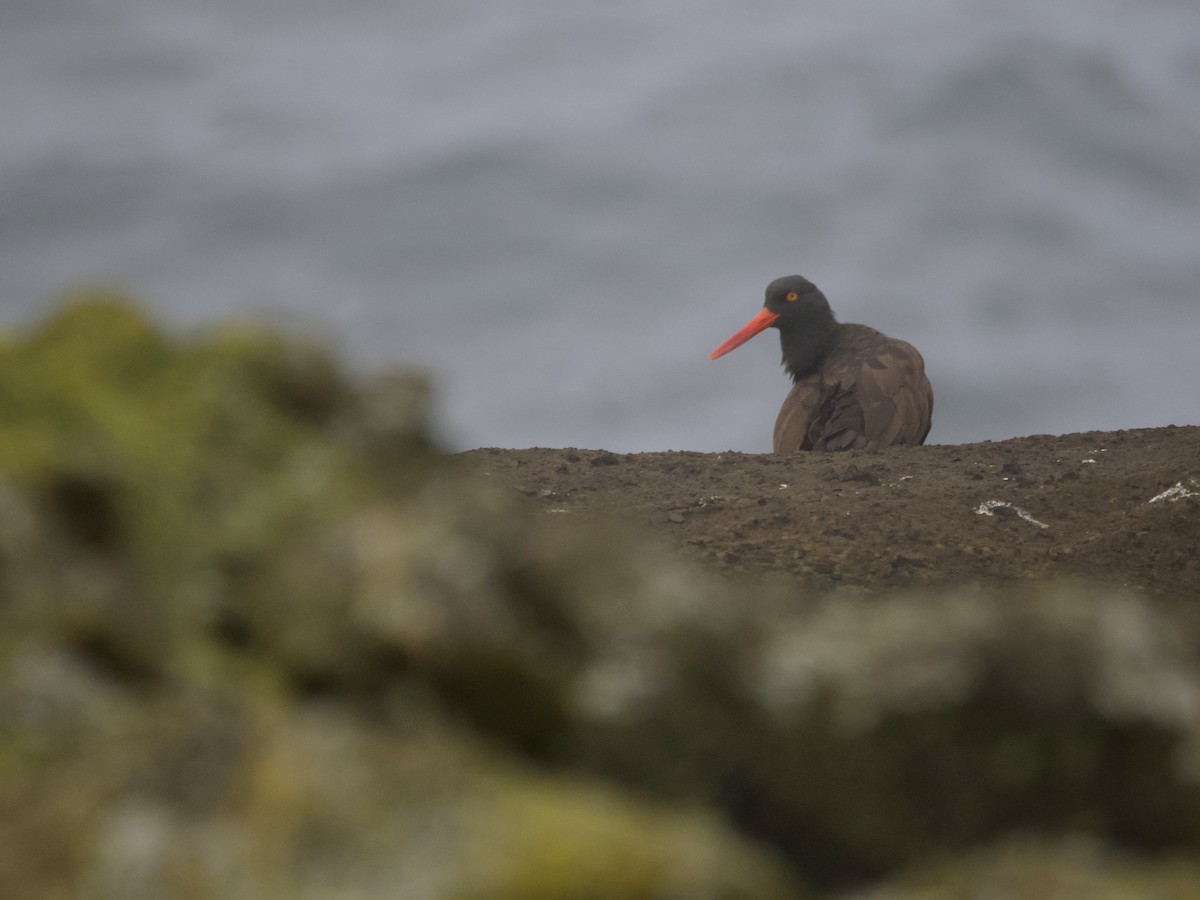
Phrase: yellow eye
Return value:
(791, 296)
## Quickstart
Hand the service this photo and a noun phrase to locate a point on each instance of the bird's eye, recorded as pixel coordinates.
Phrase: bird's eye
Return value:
(791, 296)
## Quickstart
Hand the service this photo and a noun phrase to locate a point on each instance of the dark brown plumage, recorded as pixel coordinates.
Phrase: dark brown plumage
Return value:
(854, 387)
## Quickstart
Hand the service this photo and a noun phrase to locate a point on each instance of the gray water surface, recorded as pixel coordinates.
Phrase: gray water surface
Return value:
(561, 207)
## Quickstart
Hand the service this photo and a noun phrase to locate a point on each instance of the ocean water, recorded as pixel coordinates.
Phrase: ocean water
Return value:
(559, 208)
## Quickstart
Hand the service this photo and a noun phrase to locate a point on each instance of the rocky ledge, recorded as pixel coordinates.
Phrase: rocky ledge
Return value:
(1114, 507)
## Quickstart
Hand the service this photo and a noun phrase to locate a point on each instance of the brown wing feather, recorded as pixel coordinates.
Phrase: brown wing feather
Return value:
(871, 391)
(791, 427)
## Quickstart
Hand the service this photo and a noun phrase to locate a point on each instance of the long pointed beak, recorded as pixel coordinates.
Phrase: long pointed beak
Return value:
(764, 320)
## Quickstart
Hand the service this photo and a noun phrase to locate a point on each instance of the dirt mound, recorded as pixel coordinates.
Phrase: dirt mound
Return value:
(1118, 507)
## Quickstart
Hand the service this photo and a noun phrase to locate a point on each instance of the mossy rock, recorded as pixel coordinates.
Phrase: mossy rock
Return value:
(174, 462)
(259, 638)
(237, 791)
(905, 726)
(860, 733)
(1065, 869)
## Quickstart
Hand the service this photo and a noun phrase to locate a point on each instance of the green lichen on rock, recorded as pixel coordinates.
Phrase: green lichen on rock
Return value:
(170, 451)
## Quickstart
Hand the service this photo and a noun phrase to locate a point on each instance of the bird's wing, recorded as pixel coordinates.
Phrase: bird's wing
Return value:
(796, 414)
(871, 392)
(895, 396)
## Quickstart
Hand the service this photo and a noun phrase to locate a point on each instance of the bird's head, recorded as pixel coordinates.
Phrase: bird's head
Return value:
(793, 303)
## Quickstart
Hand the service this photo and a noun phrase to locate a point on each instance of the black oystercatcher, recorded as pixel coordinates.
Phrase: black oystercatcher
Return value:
(854, 387)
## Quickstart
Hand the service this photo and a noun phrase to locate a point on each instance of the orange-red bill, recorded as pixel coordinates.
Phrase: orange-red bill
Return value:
(764, 320)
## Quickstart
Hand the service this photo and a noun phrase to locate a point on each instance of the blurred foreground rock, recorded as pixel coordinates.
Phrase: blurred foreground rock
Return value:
(260, 637)
(255, 632)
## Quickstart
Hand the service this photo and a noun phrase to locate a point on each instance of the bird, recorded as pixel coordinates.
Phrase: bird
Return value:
(853, 387)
